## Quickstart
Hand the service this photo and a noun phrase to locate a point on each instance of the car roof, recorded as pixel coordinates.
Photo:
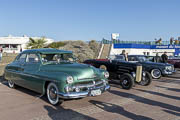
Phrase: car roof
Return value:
(46, 51)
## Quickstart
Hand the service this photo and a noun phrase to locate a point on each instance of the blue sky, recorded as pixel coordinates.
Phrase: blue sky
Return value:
(91, 19)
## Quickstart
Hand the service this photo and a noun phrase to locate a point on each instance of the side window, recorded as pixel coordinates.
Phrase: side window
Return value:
(32, 58)
(22, 58)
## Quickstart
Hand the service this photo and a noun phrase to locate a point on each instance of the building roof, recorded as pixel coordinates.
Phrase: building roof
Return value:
(14, 40)
(46, 51)
(20, 40)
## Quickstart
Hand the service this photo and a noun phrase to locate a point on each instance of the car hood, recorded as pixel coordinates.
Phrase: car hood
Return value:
(78, 71)
(154, 63)
(129, 63)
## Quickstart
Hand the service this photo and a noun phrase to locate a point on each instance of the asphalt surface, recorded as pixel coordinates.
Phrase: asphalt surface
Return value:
(159, 101)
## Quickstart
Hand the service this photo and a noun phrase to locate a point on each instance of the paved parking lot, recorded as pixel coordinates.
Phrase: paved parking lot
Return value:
(159, 101)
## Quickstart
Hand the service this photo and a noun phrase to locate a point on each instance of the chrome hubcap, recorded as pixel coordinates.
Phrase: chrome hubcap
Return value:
(10, 82)
(156, 73)
(125, 82)
(52, 93)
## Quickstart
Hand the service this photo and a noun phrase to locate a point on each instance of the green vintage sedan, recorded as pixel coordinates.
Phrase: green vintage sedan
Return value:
(57, 74)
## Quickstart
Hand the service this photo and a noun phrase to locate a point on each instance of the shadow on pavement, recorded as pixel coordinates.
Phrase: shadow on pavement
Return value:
(1, 79)
(146, 101)
(160, 94)
(109, 107)
(172, 112)
(113, 84)
(172, 89)
(59, 113)
(32, 93)
(172, 76)
(168, 81)
(116, 84)
(26, 91)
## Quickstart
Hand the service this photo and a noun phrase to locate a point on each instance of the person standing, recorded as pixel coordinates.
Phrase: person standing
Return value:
(164, 57)
(125, 55)
(20, 49)
(0, 56)
(157, 58)
(1, 51)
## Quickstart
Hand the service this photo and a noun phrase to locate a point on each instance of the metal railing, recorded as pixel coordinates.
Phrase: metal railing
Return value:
(105, 41)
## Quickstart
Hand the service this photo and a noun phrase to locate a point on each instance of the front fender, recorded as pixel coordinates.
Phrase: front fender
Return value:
(59, 78)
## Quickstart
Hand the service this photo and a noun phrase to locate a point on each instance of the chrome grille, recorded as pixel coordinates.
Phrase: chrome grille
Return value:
(88, 84)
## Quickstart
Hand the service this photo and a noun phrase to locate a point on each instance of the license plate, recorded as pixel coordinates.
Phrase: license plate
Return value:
(96, 92)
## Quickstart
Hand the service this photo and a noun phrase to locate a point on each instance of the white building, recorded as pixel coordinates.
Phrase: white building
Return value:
(11, 44)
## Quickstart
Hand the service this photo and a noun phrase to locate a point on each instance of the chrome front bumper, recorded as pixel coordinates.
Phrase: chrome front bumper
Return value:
(168, 72)
(72, 95)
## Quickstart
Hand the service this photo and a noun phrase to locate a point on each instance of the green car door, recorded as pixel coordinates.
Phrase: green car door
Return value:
(30, 71)
(16, 70)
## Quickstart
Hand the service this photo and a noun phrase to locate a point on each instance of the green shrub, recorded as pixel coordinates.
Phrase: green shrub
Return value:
(56, 45)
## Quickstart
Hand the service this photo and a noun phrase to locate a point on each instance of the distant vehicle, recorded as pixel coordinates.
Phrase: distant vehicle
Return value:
(125, 72)
(156, 69)
(175, 60)
(55, 73)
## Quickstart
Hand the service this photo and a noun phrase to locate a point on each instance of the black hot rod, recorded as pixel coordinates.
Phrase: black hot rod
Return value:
(126, 72)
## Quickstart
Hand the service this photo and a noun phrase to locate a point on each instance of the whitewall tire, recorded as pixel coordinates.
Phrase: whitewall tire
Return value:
(11, 84)
(156, 73)
(52, 93)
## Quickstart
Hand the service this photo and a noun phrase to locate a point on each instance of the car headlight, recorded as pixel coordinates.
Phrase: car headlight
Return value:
(106, 74)
(70, 79)
(144, 73)
(133, 74)
(168, 67)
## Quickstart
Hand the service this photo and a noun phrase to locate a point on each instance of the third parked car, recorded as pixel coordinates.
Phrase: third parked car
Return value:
(156, 69)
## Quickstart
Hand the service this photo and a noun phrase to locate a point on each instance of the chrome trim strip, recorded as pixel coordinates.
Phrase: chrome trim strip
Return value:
(29, 75)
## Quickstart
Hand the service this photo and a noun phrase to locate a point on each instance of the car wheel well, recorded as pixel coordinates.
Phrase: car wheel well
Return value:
(45, 86)
(155, 68)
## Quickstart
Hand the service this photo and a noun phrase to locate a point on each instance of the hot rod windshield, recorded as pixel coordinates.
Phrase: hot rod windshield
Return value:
(57, 58)
(142, 59)
(117, 57)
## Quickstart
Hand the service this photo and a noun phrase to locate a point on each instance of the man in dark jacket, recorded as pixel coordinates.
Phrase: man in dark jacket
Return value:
(157, 58)
(164, 57)
(125, 55)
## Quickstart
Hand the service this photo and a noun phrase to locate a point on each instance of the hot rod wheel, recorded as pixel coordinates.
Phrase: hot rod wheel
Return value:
(126, 81)
(146, 80)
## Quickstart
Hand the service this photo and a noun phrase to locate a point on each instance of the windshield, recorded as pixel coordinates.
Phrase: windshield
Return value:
(57, 58)
(142, 59)
(117, 57)
(149, 58)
